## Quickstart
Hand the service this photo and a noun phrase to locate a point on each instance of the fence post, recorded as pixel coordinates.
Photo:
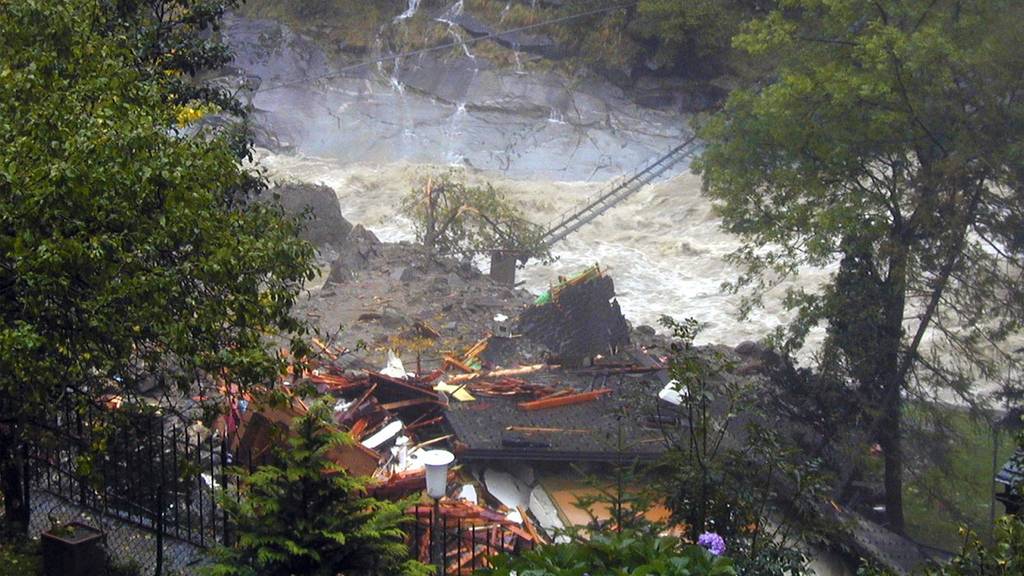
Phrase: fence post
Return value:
(26, 491)
(160, 488)
(224, 483)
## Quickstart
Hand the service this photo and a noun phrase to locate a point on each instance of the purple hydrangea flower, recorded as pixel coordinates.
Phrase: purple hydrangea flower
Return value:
(712, 542)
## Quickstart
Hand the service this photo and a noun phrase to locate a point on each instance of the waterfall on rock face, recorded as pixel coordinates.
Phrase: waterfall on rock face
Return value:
(453, 135)
(448, 18)
(410, 11)
(519, 63)
(556, 116)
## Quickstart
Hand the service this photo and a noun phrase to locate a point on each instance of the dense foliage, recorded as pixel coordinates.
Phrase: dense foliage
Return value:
(625, 553)
(304, 514)
(887, 144)
(127, 251)
(731, 469)
(454, 218)
(174, 42)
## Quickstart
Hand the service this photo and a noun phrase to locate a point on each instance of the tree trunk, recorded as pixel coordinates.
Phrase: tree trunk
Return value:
(890, 378)
(892, 449)
(12, 480)
(430, 234)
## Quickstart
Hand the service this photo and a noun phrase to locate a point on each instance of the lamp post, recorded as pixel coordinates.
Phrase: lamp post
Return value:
(437, 463)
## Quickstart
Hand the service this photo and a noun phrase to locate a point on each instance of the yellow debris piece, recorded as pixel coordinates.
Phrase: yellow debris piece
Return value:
(458, 392)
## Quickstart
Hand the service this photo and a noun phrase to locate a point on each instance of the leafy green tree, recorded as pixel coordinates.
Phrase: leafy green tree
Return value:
(304, 514)
(455, 219)
(690, 38)
(888, 142)
(176, 41)
(693, 35)
(124, 253)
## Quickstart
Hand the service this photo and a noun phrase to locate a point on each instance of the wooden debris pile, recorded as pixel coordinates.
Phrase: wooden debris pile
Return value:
(394, 416)
(470, 534)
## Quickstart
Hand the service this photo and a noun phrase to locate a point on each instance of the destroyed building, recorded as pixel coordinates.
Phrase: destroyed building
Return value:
(515, 424)
(577, 320)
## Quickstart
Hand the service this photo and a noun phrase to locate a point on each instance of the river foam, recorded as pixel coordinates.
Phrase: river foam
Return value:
(663, 246)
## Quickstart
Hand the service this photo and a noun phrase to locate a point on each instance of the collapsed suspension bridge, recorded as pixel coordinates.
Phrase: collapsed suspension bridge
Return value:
(615, 192)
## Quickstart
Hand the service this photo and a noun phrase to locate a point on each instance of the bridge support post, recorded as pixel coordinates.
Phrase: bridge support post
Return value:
(503, 267)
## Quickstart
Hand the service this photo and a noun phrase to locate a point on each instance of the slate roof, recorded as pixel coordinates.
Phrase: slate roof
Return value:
(611, 428)
(1012, 472)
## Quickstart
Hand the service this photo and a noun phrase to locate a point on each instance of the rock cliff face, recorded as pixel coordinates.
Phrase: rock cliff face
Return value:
(445, 107)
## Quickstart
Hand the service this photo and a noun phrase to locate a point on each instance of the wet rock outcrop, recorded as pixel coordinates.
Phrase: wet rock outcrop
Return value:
(327, 227)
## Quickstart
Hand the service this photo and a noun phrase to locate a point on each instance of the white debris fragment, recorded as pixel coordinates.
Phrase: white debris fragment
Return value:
(468, 493)
(208, 479)
(545, 511)
(394, 367)
(506, 488)
(673, 393)
(384, 434)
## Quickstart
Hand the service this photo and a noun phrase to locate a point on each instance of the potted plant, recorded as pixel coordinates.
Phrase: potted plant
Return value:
(73, 549)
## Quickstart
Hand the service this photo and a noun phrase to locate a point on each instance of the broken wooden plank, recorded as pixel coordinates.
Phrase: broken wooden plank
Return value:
(432, 441)
(540, 430)
(353, 407)
(476, 349)
(557, 393)
(503, 372)
(407, 403)
(357, 430)
(459, 364)
(530, 528)
(325, 348)
(338, 383)
(564, 400)
(429, 422)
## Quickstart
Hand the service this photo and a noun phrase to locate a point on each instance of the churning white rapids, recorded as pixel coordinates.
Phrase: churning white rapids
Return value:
(548, 139)
(663, 246)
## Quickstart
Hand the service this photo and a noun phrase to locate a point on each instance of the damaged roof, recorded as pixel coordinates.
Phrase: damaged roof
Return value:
(1012, 473)
(616, 422)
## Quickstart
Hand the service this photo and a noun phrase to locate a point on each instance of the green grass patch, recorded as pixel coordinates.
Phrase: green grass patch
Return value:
(949, 476)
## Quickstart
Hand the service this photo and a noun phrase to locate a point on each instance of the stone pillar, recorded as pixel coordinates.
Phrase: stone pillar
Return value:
(503, 267)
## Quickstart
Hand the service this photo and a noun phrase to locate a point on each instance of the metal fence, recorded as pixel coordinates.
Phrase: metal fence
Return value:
(158, 485)
(134, 467)
(466, 544)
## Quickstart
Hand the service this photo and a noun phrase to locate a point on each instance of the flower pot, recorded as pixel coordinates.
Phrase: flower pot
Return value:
(73, 549)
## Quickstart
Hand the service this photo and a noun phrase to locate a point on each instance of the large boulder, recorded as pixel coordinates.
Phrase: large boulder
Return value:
(327, 227)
